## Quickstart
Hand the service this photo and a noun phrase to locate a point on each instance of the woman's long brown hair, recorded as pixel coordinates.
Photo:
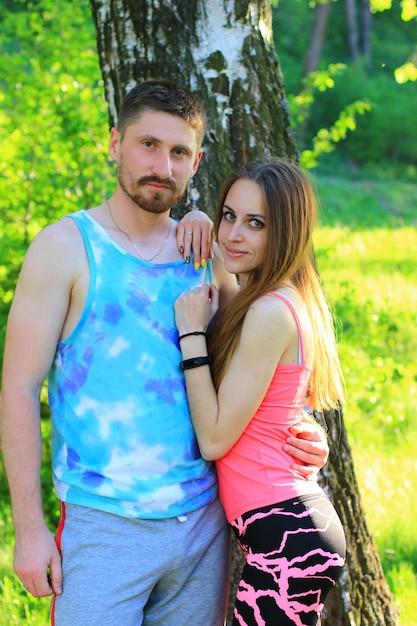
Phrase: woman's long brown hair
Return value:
(291, 211)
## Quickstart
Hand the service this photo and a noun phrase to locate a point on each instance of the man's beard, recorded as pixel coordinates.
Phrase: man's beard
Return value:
(152, 202)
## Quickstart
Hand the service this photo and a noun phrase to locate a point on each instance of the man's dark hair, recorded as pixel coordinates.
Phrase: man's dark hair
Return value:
(166, 96)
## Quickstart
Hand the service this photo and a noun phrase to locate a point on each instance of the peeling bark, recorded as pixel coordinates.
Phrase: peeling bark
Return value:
(223, 50)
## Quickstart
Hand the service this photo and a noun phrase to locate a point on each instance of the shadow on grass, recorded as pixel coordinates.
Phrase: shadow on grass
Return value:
(366, 204)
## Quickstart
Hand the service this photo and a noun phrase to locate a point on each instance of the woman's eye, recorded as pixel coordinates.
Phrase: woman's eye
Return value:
(257, 223)
(228, 216)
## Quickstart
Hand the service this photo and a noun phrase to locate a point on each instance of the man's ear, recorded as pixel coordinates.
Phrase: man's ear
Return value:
(114, 143)
(197, 160)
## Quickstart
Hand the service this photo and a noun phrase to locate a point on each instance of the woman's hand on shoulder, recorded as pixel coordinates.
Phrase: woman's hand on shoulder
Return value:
(195, 232)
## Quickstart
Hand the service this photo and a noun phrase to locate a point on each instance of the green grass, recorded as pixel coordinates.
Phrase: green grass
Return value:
(365, 248)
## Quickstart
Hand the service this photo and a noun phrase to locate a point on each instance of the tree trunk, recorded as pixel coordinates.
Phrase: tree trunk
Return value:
(312, 57)
(352, 29)
(224, 52)
(366, 23)
(217, 50)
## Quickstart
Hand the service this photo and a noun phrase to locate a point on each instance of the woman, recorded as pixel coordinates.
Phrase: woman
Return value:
(273, 352)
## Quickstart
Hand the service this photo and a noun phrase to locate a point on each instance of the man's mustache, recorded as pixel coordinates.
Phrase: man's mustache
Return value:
(166, 182)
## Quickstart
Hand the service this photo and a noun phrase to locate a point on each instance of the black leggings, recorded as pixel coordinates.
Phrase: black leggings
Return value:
(295, 551)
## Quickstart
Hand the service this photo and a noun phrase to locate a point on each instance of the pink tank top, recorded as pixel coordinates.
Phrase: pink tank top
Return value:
(256, 472)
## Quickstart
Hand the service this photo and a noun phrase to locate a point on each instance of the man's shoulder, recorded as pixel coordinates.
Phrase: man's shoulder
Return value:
(60, 237)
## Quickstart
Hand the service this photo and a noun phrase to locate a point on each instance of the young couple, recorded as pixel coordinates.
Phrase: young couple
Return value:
(142, 537)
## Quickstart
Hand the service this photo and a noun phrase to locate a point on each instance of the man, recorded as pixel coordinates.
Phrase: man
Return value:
(142, 538)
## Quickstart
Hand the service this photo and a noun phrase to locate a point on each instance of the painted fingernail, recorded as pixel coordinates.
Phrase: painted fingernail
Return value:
(203, 263)
(187, 259)
(196, 266)
(181, 249)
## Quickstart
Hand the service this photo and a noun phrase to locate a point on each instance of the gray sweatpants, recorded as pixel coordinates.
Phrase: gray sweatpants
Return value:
(134, 572)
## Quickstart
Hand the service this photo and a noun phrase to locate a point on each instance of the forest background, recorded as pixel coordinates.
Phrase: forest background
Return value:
(355, 123)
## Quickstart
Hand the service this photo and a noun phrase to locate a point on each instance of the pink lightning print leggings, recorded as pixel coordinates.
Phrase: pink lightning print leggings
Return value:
(294, 551)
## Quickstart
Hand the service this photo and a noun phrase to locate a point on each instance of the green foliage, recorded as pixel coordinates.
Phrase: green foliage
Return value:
(53, 161)
(52, 125)
(374, 96)
(406, 72)
(53, 85)
(18, 608)
(408, 8)
(322, 80)
(380, 134)
(326, 138)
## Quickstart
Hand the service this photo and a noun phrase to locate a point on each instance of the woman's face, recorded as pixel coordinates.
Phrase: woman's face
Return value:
(242, 232)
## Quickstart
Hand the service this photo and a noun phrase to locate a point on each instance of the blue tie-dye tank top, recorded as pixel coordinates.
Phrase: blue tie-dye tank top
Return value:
(122, 438)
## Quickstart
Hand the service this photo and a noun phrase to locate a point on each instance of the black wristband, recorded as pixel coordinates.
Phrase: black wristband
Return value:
(196, 332)
(189, 364)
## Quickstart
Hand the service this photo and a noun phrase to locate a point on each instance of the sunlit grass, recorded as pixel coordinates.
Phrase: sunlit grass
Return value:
(388, 484)
(370, 277)
(18, 607)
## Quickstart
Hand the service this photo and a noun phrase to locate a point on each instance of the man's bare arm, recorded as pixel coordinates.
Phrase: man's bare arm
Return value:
(35, 323)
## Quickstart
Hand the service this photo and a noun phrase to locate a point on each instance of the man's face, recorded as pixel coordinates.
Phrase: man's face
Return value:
(156, 158)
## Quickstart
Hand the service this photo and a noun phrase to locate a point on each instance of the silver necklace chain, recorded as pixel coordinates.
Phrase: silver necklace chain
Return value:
(113, 219)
